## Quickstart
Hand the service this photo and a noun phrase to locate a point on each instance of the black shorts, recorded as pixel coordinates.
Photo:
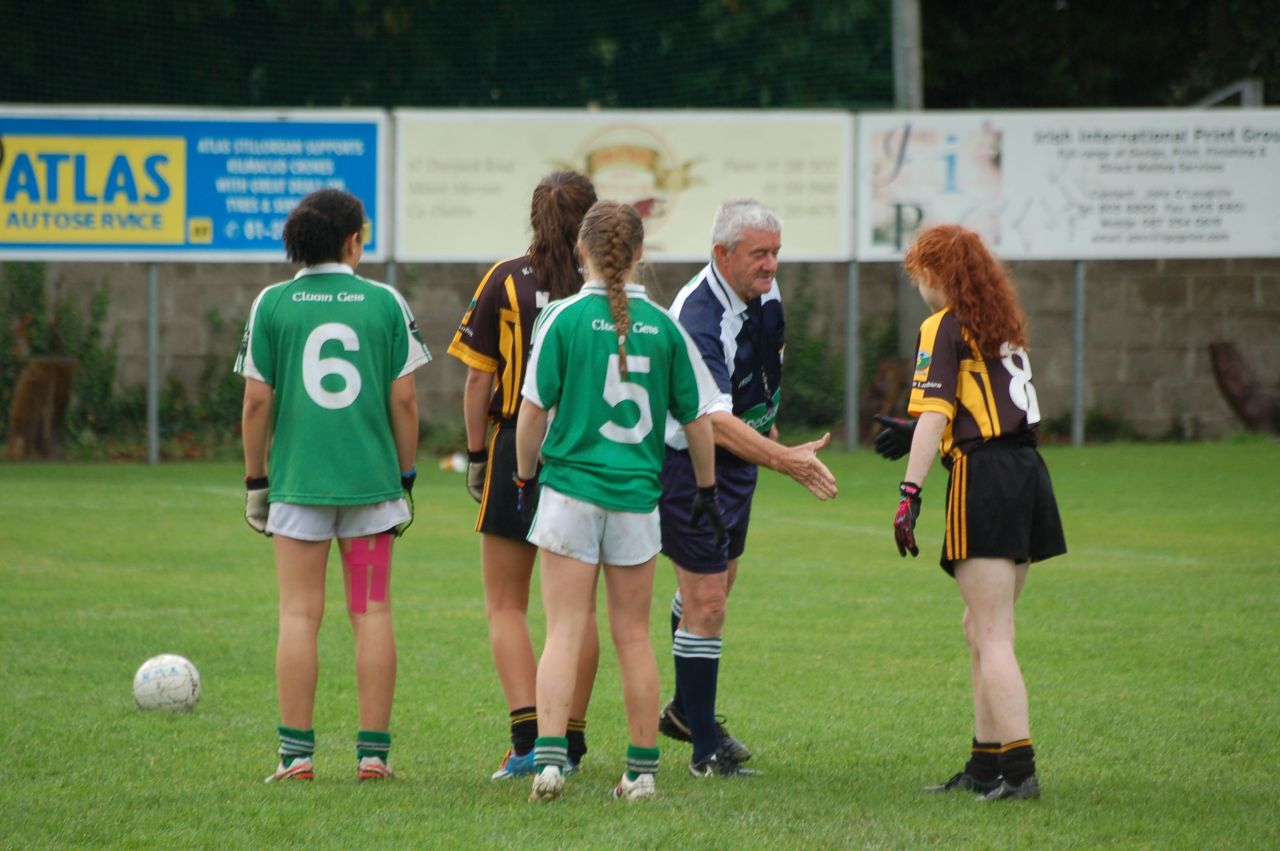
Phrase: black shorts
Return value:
(1000, 504)
(498, 515)
(694, 548)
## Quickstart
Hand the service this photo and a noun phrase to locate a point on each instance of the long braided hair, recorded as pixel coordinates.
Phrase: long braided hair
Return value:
(560, 200)
(978, 289)
(613, 235)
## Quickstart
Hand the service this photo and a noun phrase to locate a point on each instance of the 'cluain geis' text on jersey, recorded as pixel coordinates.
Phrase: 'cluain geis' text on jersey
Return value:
(330, 344)
(605, 441)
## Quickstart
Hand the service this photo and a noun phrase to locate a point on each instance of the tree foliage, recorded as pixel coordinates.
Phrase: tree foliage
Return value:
(1095, 53)
(445, 53)
(657, 54)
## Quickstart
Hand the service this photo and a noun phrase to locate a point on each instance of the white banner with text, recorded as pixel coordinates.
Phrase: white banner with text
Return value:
(1077, 185)
(464, 178)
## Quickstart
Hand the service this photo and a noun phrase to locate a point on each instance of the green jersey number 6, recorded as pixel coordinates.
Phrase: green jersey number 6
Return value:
(315, 368)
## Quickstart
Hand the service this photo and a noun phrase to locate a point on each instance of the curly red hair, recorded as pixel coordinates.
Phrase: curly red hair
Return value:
(978, 289)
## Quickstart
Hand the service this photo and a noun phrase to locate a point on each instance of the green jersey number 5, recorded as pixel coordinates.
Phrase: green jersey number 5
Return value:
(315, 368)
(617, 391)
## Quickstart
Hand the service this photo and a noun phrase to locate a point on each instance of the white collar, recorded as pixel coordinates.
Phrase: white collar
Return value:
(325, 269)
(598, 286)
(733, 301)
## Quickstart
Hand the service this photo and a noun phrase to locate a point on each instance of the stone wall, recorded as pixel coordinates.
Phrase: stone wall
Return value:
(1149, 324)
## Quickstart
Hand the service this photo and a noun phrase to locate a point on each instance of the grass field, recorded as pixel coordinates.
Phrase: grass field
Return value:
(1151, 653)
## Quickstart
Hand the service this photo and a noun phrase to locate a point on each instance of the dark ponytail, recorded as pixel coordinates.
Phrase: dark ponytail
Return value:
(560, 200)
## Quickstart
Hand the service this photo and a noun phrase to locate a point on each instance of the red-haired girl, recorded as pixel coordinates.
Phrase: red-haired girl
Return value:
(977, 407)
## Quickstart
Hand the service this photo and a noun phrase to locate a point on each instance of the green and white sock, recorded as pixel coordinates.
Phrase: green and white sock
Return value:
(295, 744)
(551, 750)
(373, 743)
(641, 761)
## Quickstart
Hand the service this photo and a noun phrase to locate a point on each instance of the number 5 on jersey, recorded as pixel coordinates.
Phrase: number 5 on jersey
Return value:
(617, 391)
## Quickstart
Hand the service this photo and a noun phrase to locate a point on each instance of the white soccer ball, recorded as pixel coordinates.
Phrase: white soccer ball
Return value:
(168, 682)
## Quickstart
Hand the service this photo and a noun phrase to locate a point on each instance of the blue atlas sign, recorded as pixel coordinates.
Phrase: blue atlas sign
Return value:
(169, 185)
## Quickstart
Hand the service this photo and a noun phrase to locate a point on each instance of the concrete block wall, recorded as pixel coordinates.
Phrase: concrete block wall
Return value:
(1148, 324)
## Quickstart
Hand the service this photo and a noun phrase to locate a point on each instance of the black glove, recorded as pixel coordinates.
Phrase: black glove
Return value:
(706, 503)
(407, 479)
(894, 441)
(256, 508)
(477, 465)
(526, 498)
(904, 522)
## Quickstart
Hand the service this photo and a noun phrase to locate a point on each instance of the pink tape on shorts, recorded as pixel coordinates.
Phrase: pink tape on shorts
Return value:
(363, 584)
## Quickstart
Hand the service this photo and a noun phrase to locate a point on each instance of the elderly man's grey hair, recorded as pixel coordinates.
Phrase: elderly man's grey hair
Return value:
(740, 214)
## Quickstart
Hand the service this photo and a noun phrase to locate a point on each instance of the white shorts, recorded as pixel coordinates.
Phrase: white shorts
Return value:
(325, 522)
(595, 535)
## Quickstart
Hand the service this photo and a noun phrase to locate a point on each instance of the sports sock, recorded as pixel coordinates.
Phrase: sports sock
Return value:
(697, 663)
(295, 744)
(641, 761)
(551, 750)
(577, 735)
(1017, 761)
(677, 612)
(984, 761)
(524, 729)
(373, 743)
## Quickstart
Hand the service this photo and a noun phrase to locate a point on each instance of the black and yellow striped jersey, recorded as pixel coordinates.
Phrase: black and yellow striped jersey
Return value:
(983, 399)
(497, 330)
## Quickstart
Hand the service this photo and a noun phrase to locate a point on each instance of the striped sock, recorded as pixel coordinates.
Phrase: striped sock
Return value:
(551, 750)
(641, 761)
(697, 662)
(1017, 761)
(524, 729)
(677, 612)
(295, 744)
(373, 743)
(577, 735)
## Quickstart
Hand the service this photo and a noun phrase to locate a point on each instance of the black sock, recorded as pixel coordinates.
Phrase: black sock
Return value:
(984, 761)
(524, 729)
(1017, 761)
(697, 661)
(577, 734)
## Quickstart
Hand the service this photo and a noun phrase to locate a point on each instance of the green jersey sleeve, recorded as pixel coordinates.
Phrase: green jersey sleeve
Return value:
(256, 358)
(544, 375)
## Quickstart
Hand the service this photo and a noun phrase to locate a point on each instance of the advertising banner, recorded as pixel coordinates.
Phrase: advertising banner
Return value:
(1074, 185)
(464, 178)
(147, 185)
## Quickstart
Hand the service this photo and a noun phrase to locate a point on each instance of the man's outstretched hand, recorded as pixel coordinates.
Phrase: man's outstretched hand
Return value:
(801, 463)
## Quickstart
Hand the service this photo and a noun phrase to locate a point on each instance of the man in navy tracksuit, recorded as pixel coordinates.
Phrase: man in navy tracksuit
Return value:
(733, 312)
